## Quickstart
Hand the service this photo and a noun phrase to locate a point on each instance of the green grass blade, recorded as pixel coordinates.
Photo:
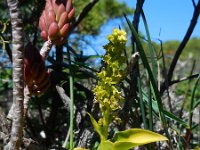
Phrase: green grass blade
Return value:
(192, 101)
(196, 104)
(139, 84)
(175, 118)
(166, 113)
(151, 77)
(150, 110)
(151, 49)
(154, 67)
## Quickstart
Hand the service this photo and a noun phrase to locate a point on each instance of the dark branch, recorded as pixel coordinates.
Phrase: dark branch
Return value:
(181, 47)
(136, 20)
(137, 13)
(184, 79)
(194, 4)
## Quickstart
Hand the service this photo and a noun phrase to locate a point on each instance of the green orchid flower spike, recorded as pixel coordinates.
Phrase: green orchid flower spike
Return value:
(106, 92)
(110, 99)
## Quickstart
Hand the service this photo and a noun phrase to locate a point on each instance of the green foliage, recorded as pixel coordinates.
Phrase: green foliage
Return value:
(5, 79)
(3, 14)
(106, 92)
(109, 99)
(153, 85)
(106, 145)
(191, 48)
(102, 11)
(98, 128)
(48, 114)
(131, 138)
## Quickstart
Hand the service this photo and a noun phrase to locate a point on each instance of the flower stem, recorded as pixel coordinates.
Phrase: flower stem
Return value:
(71, 82)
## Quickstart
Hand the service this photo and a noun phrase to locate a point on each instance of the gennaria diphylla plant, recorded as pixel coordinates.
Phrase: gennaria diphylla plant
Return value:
(55, 24)
(110, 99)
(106, 92)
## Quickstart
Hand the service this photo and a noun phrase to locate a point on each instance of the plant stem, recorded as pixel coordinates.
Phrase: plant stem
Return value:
(71, 82)
(71, 110)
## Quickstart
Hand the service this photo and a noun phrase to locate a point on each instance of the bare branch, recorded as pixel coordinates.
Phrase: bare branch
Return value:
(136, 20)
(181, 47)
(194, 4)
(137, 13)
(184, 79)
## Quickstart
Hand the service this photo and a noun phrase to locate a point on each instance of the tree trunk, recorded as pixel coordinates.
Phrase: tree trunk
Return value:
(18, 76)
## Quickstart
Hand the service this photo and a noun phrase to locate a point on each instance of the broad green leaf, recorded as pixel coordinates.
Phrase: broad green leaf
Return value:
(135, 137)
(106, 145)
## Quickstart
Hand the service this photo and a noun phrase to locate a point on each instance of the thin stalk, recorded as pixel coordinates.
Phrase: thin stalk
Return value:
(165, 74)
(71, 82)
(71, 110)
(150, 146)
(154, 67)
(192, 102)
(199, 126)
(141, 99)
(151, 49)
(150, 109)
(187, 90)
(66, 139)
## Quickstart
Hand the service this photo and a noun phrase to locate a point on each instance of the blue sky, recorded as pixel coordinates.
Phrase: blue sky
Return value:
(167, 20)
(170, 18)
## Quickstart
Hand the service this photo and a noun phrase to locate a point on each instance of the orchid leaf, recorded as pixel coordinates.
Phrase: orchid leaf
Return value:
(135, 137)
(106, 145)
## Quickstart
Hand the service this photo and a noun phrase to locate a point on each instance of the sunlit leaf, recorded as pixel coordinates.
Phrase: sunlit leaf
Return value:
(135, 137)
(106, 145)
(96, 126)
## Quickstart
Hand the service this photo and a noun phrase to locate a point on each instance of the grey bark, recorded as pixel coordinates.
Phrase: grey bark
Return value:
(18, 76)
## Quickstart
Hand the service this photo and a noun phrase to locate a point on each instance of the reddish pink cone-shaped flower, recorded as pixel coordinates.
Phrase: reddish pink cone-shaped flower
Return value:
(55, 21)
